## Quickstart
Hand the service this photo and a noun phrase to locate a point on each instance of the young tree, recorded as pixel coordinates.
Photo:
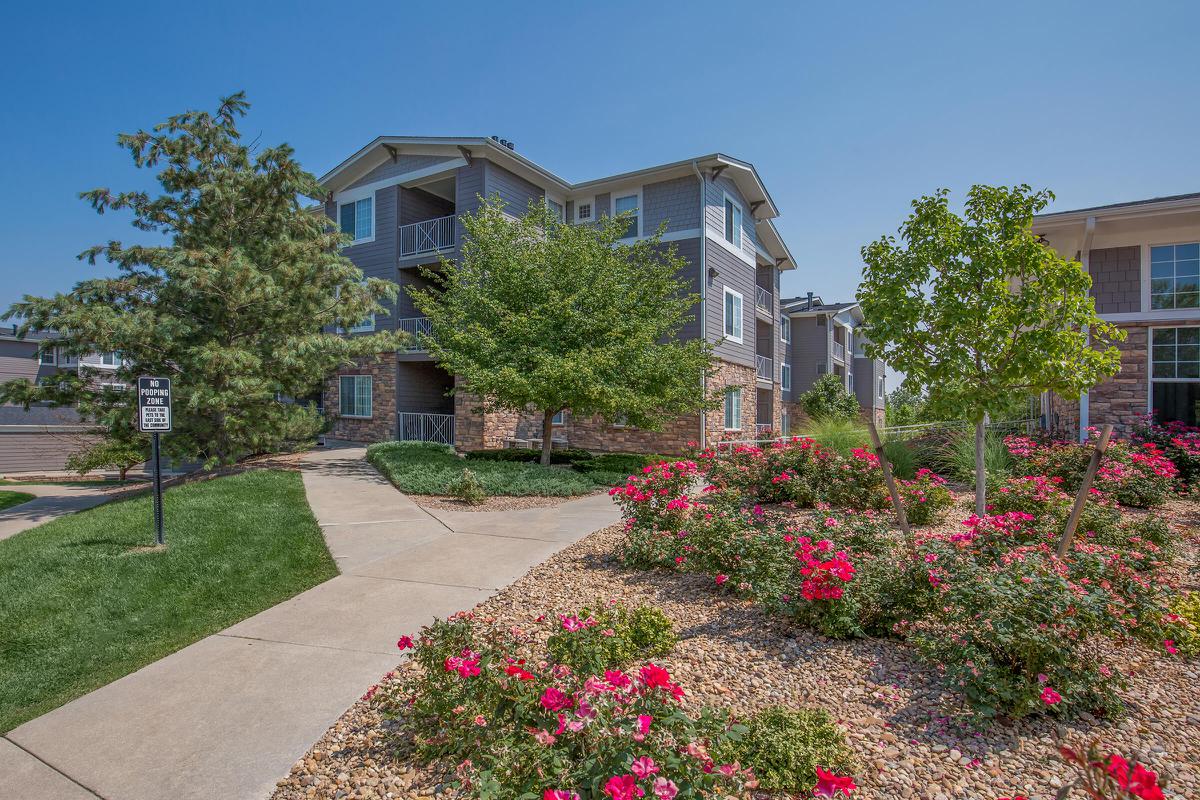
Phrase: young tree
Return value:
(905, 406)
(111, 453)
(977, 311)
(232, 303)
(829, 399)
(543, 315)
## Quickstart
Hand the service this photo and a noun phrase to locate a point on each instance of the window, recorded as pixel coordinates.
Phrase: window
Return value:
(631, 204)
(881, 387)
(114, 387)
(1175, 276)
(48, 356)
(733, 408)
(585, 210)
(622, 421)
(556, 208)
(785, 328)
(354, 395)
(112, 359)
(67, 360)
(785, 377)
(733, 222)
(733, 315)
(559, 418)
(1175, 375)
(357, 219)
(366, 326)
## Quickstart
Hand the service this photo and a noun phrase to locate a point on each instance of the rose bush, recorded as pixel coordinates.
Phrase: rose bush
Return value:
(1133, 474)
(926, 498)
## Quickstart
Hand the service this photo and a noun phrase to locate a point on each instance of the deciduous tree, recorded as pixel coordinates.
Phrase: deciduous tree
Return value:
(543, 315)
(978, 311)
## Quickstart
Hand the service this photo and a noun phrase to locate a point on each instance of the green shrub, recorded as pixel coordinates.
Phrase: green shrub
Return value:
(624, 463)
(427, 468)
(784, 747)
(902, 457)
(467, 488)
(592, 642)
(1183, 624)
(828, 399)
(564, 455)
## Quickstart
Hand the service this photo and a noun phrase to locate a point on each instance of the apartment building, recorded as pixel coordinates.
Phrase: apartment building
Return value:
(819, 338)
(1144, 260)
(40, 438)
(401, 199)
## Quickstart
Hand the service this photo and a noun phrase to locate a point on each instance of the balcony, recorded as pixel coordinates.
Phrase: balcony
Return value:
(839, 351)
(418, 330)
(427, 236)
(763, 430)
(422, 427)
(764, 368)
(763, 298)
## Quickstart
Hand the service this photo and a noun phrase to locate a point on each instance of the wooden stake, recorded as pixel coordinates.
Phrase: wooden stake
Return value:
(1064, 546)
(897, 503)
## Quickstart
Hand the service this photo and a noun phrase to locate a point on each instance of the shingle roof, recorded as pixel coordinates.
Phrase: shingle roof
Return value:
(800, 303)
(1129, 204)
(38, 415)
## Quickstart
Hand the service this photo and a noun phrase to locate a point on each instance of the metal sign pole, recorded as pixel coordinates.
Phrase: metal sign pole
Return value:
(158, 507)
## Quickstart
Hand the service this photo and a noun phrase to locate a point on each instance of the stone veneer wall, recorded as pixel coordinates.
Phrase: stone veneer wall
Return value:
(729, 374)
(381, 427)
(1120, 399)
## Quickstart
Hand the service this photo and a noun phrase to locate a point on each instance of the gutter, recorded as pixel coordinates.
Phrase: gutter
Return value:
(703, 288)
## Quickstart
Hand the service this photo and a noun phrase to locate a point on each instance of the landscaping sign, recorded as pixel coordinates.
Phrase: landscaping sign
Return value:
(154, 417)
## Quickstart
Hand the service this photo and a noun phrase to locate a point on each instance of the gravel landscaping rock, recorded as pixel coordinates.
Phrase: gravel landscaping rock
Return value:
(911, 738)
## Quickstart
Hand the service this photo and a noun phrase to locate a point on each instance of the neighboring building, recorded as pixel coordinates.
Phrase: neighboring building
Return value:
(402, 198)
(819, 338)
(1144, 260)
(40, 439)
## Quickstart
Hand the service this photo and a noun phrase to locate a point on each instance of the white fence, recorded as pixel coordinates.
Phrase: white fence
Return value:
(762, 298)
(764, 368)
(1025, 426)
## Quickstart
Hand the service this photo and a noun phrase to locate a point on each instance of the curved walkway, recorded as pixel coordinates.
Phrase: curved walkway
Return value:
(229, 715)
(53, 500)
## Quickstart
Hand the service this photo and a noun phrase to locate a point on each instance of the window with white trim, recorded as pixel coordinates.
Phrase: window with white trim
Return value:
(733, 315)
(882, 386)
(112, 359)
(1175, 375)
(556, 208)
(733, 222)
(585, 210)
(629, 203)
(560, 418)
(785, 376)
(785, 328)
(733, 408)
(1175, 276)
(357, 219)
(366, 326)
(355, 395)
(48, 356)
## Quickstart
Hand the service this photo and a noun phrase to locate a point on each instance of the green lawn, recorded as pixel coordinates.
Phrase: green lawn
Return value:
(10, 499)
(80, 606)
(422, 468)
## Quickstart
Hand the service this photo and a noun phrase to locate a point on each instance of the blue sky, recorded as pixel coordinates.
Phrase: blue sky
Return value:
(848, 111)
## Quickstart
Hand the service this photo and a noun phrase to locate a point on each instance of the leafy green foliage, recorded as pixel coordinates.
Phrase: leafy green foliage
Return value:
(829, 399)
(110, 453)
(591, 642)
(977, 311)
(543, 315)
(235, 546)
(427, 468)
(955, 456)
(905, 406)
(564, 455)
(785, 746)
(232, 306)
(466, 487)
(1183, 624)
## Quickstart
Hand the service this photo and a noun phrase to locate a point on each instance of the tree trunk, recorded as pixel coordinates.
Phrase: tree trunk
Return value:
(547, 434)
(123, 471)
(980, 467)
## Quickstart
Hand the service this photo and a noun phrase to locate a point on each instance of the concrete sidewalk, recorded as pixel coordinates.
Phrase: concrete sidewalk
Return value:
(229, 715)
(53, 500)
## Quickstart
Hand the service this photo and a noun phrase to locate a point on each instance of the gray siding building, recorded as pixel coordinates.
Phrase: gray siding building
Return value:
(402, 200)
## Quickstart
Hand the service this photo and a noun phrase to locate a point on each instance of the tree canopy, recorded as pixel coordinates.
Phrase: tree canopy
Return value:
(977, 311)
(237, 298)
(829, 399)
(543, 315)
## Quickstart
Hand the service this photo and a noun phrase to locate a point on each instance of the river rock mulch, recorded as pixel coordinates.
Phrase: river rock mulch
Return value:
(910, 737)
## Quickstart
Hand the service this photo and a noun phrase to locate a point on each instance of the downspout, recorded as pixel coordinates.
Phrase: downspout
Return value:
(1085, 249)
(703, 291)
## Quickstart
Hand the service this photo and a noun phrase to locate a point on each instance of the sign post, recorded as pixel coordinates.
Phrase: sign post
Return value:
(154, 417)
